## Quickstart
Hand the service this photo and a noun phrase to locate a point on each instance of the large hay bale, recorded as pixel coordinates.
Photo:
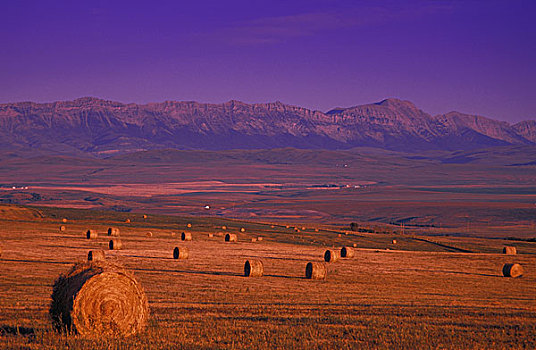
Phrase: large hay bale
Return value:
(224, 227)
(230, 237)
(394, 241)
(332, 255)
(355, 245)
(62, 228)
(90, 234)
(115, 244)
(144, 216)
(181, 253)
(188, 225)
(242, 229)
(253, 268)
(127, 221)
(315, 271)
(149, 234)
(512, 270)
(96, 255)
(347, 252)
(253, 240)
(210, 235)
(259, 239)
(97, 298)
(113, 231)
(64, 220)
(186, 236)
(508, 250)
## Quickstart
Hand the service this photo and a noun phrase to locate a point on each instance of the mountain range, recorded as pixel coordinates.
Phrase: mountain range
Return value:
(99, 128)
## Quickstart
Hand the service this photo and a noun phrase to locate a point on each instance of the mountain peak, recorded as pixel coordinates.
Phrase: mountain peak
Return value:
(396, 103)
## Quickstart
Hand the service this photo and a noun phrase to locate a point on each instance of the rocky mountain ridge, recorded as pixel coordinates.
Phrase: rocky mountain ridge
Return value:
(102, 128)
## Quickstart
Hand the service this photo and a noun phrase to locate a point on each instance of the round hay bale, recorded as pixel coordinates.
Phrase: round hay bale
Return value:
(316, 230)
(287, 226)
(186, 236)
(242, 229)
(173, 234)
(297, 230)
(230, 237)
(355, 245)
(188, 225)
(64, 220)
(149, 234)
(303, 228)
(115, 244)
(210, 235)
(224, 227)
(508, 250)
(259, 239)
(512, 270)
(90, 234)
(181, 253)
(339, 235)
(332, 255)
(98, 298)
(272, 226)
(113, 231)
(347, 252)
(394, 241)
(95, 255)
(253, 268)
(127, 221)
(144, 216)
(315, 271)
(253, 240)
(62, 228)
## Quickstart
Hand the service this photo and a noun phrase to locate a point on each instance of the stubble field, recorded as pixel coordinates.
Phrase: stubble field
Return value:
(421, 292)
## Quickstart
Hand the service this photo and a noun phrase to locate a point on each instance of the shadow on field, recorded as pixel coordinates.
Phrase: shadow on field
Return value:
(39, 261)
(214, 273)
(26, 331)
(304, 258)
(457, 272)
(149, 257)
(289, 277)
(472, 274)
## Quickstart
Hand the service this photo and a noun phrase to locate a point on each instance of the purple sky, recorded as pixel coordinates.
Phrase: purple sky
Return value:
(470, 56)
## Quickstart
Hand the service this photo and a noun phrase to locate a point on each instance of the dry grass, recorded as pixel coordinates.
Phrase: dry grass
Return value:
(421, 296)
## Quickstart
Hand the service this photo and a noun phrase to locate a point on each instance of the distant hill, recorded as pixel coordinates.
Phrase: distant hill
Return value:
(99, 128)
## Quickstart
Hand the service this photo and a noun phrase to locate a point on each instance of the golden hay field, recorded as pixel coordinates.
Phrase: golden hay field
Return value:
(417, 294)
